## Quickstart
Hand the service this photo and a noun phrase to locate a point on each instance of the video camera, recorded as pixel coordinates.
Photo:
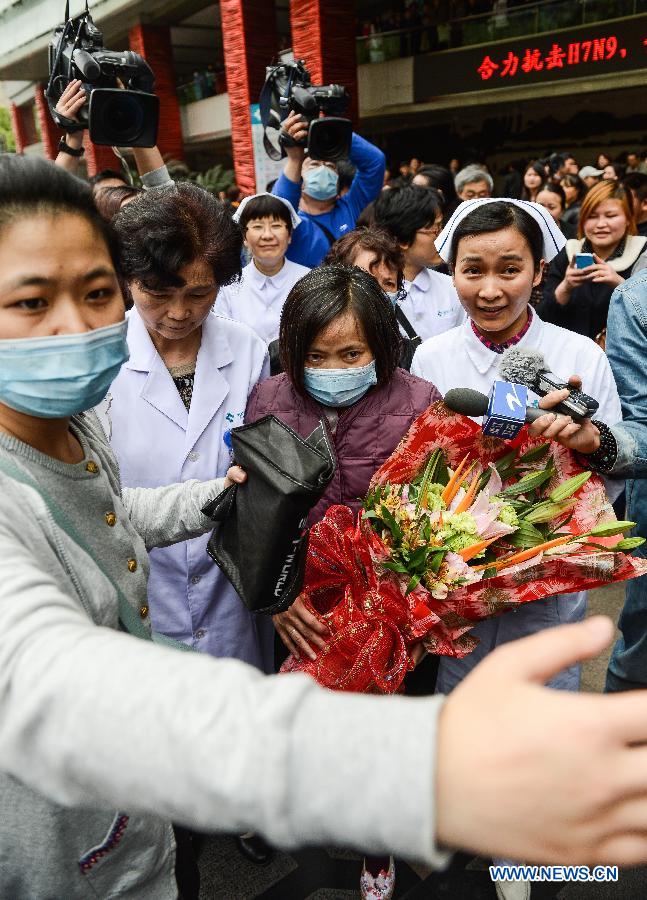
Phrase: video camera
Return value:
(120, 118)
(288, 88)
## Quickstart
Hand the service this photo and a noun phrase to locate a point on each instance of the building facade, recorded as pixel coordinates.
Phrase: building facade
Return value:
(512, 80)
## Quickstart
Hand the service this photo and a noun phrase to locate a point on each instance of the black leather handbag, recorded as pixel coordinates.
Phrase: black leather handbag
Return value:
(260, 540)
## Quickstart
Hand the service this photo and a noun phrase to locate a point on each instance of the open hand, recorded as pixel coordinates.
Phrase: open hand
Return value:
(541, 775)
(71, 100)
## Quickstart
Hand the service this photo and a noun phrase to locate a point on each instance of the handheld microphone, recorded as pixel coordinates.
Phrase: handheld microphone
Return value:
(505, 410)
(528, 367)
(474, 403)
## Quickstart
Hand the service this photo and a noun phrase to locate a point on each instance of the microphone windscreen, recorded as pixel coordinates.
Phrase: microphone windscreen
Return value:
(520, 366)
(466, 401)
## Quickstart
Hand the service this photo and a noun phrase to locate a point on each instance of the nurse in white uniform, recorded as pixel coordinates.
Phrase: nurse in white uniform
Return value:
(266, 223)
(173, 405)
(495, 250)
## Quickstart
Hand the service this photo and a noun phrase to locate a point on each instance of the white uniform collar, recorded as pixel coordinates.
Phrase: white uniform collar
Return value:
(482, 357)
(260, 280)
(422, 281)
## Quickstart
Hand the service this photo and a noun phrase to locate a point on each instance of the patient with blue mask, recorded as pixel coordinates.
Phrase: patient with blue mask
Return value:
(340, 345)
(340, 348)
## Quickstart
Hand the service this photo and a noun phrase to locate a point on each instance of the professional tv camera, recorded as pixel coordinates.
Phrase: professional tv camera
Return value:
(120, 118)
(288, 88)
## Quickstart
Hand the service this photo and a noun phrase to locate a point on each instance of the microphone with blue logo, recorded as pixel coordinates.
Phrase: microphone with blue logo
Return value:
(505, 410)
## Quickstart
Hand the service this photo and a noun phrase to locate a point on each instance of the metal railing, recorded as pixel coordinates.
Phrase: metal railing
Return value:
(500, 24)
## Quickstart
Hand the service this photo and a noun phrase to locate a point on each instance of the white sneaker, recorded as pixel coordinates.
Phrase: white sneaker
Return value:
(513, 890)
(378, 887)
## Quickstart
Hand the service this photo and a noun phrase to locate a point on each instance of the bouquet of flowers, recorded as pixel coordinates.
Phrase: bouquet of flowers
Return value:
(456, 527)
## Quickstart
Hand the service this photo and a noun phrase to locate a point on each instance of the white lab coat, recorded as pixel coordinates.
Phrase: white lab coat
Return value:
(257, 299)
(431, 303)
(458, 359)
(157, 442)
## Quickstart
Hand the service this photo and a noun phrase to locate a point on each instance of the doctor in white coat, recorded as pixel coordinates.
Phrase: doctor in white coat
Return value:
(495, 256)
(174, 403)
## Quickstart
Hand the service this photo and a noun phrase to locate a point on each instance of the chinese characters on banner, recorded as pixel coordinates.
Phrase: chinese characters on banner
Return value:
(571, 55)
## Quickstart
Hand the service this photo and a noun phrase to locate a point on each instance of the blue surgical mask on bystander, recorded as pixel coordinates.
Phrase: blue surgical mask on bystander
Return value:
(320, 183)
(61, 375)
(339, 387)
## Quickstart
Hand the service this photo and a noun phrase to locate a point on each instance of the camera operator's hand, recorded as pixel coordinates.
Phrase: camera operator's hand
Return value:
(70, 102)
(297, 128)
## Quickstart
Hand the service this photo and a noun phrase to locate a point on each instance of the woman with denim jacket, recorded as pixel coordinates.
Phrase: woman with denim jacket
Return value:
(621, 452)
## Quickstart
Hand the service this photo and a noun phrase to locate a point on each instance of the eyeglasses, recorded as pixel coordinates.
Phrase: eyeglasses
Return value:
(435, 229)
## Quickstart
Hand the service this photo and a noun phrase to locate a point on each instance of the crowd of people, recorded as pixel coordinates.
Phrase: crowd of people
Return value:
(344, 296)
(425, 26)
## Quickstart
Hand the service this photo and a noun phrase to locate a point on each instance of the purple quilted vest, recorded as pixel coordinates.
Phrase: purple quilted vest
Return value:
(367, 433)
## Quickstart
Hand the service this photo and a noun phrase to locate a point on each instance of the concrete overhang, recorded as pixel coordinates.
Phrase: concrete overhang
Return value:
(26, 28)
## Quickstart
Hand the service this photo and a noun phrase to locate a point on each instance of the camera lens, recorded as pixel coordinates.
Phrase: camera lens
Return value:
(329, 138)
(123, 117)
(329, 143)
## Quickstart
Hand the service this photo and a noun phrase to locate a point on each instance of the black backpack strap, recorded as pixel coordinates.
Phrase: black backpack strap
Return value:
(407, 327)
(275, 360)
(331, 237)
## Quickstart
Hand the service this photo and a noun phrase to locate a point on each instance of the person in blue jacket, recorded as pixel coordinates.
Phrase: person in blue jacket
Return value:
(621, 452)
(311, 186)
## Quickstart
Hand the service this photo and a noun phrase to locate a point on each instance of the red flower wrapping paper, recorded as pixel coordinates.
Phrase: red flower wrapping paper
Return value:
(373, 624)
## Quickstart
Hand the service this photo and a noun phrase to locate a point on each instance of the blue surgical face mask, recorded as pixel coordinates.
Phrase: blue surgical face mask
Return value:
(63, 374)
(393, 296)
(339, 387)
(320, 183)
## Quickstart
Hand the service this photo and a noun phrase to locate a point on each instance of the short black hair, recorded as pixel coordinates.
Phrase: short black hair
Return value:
(539, 169)
(320, 297)
(442, 179)
(164, 230)
(386, 249)
(571, 180)
(403, 210)
(496, 216)
(105, 174)
(556, 189)
(265, 205)
(30, 186)
(346, 172)
(637, 184)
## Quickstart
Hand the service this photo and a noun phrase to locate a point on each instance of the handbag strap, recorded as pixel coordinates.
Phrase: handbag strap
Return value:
(407, 327)
(128, 618)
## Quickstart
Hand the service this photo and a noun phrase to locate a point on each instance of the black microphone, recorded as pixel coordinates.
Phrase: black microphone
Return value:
(474, 403)
(528, 367)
